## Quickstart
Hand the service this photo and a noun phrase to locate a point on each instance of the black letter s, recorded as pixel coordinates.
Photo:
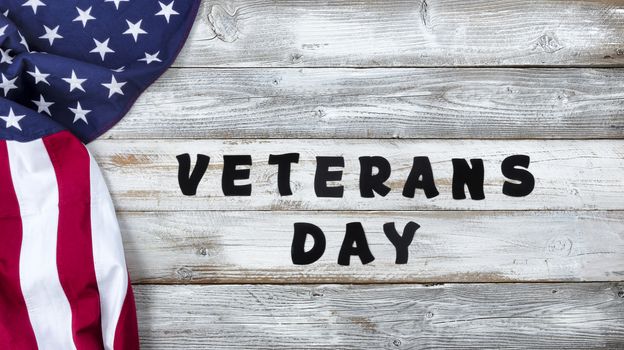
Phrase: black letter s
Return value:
(510, 171)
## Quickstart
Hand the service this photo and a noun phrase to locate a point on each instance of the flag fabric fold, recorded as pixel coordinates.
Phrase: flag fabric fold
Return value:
(70, 70)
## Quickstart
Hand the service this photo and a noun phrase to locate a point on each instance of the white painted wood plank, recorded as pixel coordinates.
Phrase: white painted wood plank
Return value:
(254, 247)
(455, 316)
(379, 103)
(585, 175)
(263, 33)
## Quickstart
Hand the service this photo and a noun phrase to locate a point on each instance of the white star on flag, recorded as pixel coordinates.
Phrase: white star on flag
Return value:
(116, 2)
(101, 48)
(12, 120)
(135, 29)
(34, 4)
(114, 87)
(3, 30)
(39, 77)
(51, 34)
(7, 85)
(43, 105)
(23, 41)
(6, 58)
(166, 10)
(151, 58)
(75, 82)
(79, 113)
(84, 16)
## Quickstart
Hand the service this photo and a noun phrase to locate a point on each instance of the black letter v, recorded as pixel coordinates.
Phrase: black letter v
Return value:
(188, 184)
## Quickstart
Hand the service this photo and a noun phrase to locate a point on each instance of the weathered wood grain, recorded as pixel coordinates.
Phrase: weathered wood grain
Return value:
(263, 33)
(379, 103)
(583, 175)
(254, 247)
(173, 243)
(457, 316)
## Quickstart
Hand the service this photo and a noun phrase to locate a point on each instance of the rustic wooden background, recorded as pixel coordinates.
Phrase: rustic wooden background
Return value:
(442, 78)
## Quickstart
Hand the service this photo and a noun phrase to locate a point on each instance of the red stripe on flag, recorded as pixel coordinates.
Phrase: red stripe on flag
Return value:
(74, 246)
(15, 329)
(127, 333)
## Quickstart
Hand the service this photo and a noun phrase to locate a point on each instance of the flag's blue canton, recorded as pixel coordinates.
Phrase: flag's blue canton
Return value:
(80, 64)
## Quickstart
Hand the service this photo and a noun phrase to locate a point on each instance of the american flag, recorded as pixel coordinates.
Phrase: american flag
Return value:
(70, 70)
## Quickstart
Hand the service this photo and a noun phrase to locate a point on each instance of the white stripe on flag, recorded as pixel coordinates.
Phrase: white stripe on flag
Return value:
(108, 256)
(36, 188)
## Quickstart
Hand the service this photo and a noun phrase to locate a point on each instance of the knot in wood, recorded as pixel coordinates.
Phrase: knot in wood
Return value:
(185, 274)
(549, 42)
(223, 24)
(560, 245)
